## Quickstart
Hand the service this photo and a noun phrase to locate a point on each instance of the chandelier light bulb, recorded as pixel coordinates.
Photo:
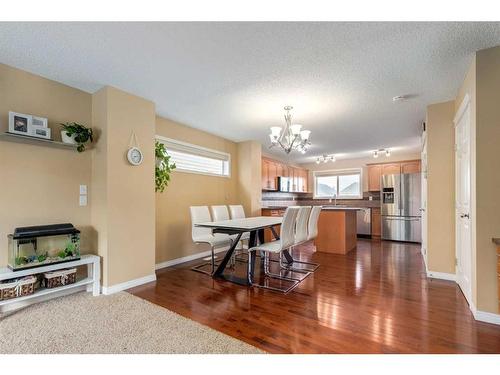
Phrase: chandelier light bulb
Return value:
(317, 161)
(375, 154)
(296, 129)
(276, 131)
(387, 152)
(304, 134)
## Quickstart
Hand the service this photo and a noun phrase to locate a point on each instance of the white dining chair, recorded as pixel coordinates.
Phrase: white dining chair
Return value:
(287, 239)
(301, 236)
(312, 226)
(220, 213)
(200, 235)
(238, 212)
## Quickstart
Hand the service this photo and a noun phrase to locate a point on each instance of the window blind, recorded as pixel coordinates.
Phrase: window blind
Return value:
(196, 159)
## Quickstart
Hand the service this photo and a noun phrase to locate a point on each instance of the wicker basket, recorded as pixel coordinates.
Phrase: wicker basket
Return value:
(17, 287)
(59, 278)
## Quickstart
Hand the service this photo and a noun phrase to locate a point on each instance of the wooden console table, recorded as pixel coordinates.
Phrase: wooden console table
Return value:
(91, 283)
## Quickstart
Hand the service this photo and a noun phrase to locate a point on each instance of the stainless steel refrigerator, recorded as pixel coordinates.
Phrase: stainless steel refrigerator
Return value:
(400, 207)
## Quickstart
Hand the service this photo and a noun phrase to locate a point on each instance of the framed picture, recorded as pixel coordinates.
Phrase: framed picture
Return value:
(40, 132)
(19, 123)
(39, 121)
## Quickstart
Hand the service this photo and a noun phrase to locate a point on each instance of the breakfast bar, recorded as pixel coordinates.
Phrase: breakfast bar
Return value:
(336, 228)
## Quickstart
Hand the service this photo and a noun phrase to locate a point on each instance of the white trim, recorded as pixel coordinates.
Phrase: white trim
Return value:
(484, 316)
(441, 275)
(174, 262)
(461, 109)
(201, 148)
(128, 284)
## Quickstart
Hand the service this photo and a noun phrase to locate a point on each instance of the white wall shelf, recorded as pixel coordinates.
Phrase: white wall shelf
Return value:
(17, 138)
(91, 283)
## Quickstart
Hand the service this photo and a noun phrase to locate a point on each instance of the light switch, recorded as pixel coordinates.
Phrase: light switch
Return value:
(83, 189)
(83, 200)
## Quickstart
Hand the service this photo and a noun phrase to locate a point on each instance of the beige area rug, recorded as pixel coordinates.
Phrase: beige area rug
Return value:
(119, 323)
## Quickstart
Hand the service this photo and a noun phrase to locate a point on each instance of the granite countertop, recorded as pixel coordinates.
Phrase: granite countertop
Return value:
(331, 208)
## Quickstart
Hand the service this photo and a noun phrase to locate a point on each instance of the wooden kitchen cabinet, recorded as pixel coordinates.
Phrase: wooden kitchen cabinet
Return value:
(375, 171)
(269, 174)
(391, 168)
(272, 169)
(376, 223)
(410, 167)
(374, 174)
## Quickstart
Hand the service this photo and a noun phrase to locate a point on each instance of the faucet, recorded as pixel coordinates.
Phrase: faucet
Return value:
(334, 197)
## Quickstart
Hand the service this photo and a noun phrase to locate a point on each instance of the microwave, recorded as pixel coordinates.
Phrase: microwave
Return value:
(284, 184)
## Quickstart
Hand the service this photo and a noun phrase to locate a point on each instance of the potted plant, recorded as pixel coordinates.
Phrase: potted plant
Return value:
(163, 167)
(78, 134)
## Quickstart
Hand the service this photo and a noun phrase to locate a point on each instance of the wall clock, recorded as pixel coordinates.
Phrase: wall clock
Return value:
(134, 156)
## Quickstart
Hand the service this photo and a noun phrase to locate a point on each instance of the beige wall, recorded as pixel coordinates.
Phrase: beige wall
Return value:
(250, 176)
(40, 185)
(123, 195)
(173, 223)
(440, 188)
(356, 163)
(487, 175)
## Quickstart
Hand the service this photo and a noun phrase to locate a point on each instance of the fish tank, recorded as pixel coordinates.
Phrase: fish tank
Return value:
(37, 246)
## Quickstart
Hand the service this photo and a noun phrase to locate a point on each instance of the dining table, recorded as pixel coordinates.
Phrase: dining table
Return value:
(237, 227)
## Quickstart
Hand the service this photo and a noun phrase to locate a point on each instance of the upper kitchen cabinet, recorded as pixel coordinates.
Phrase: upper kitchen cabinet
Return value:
(410, 166)
(374, 173)
(272, 169)
(269, 174)
(391, 168)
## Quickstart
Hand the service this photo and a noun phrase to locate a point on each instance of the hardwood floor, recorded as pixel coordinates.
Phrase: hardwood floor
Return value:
(376, 299)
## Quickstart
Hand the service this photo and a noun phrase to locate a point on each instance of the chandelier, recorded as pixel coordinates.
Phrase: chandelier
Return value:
(291, 137)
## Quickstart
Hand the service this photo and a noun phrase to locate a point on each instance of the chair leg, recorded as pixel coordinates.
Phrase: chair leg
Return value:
(267, 273)
(198, 267)
(289, 266)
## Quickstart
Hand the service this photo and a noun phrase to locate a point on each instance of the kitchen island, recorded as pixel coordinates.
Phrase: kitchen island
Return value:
(336, 228)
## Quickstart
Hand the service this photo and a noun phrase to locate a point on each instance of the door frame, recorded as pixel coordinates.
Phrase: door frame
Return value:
(462, 110)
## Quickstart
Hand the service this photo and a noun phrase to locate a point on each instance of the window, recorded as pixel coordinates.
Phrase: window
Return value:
(196, 159)
(343, 184)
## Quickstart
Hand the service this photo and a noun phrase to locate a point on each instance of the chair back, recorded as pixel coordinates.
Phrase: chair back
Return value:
(237, 211)
(312, 226)
(301, 226)
(220, 213)
(199, 214)
(287, 231)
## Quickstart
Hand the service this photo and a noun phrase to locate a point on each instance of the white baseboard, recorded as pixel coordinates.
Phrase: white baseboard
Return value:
(484, 316)
(128, 284)
(173, 262)
(441, 275)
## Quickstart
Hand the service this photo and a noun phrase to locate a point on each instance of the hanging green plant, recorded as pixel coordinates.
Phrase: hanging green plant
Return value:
(163, 167)
(74, 133)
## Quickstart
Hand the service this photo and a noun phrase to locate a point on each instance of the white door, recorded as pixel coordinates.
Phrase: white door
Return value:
(462, 200)
(423, 209)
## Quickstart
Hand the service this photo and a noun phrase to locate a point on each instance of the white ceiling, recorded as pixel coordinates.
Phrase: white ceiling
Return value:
(233, 79)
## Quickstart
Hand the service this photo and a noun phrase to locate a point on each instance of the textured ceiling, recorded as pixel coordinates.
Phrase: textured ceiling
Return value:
(233, 79)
